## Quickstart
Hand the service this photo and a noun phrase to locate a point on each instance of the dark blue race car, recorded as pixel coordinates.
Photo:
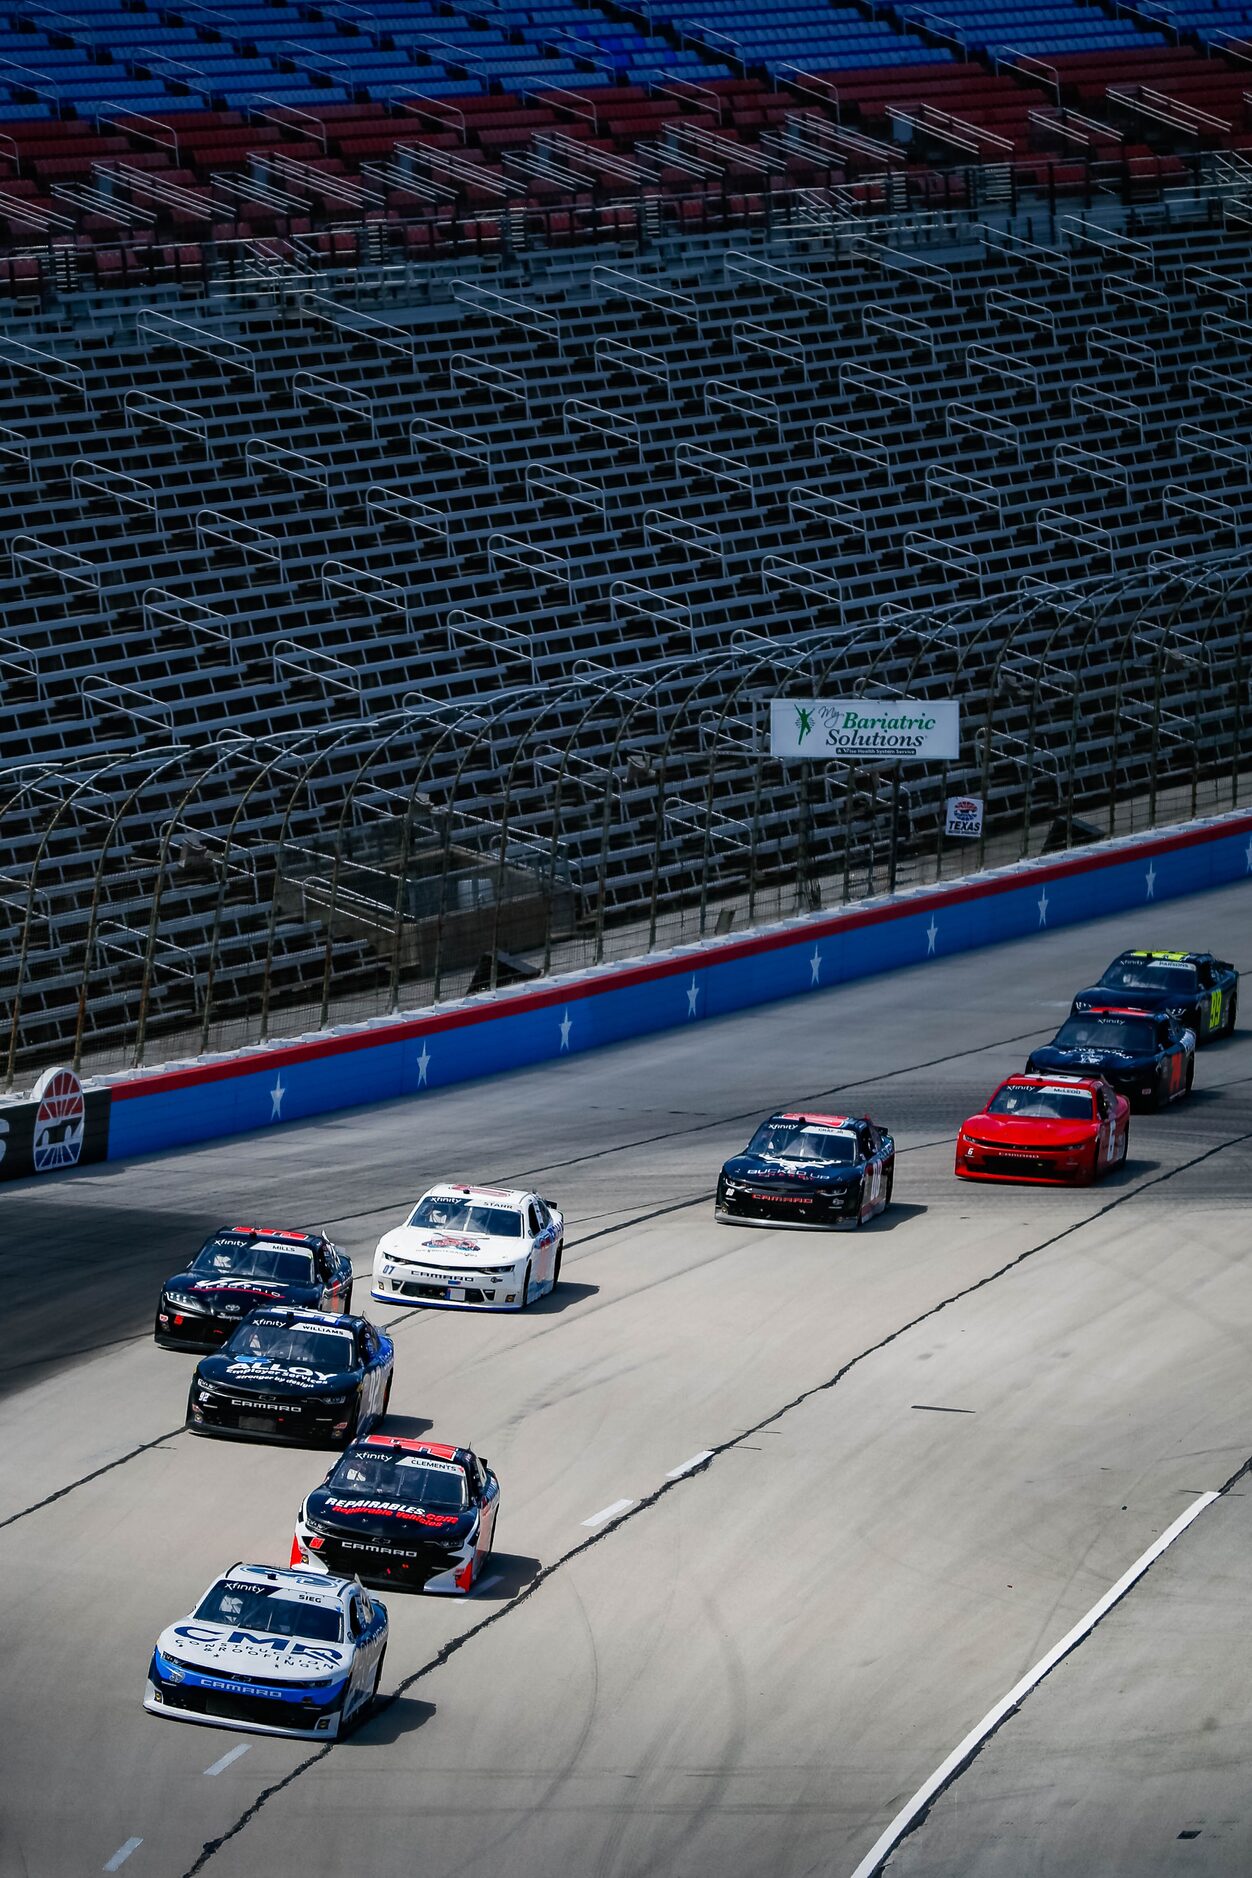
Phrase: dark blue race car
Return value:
(298, 1376)
(805, 1169)
(242, 1267)
(1147, 1056)
(1201, 991)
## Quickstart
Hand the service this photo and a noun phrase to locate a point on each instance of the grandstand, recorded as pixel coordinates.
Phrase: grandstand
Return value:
(431, 436)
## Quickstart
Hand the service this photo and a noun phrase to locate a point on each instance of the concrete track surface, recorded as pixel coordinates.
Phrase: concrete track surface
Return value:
(936, 1444)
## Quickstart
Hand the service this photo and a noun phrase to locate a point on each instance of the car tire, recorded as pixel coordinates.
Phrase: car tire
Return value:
(887, 1188)
(1232, 1007)
(346, 1306)
(858, 1218)
(523, 1302)
(1190, 1076)
(382, 1413)
(349, 1434)
(556, 1269)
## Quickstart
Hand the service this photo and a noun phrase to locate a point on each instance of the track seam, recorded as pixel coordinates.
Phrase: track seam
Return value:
(212, 1846)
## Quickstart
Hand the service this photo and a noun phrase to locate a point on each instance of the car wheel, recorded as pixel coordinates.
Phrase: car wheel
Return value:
(556, 1269)
(524, 1300)
(346, 1306)
(386, 1398)
(858, 1218)
(1232, 1007)
(349, 1434)
(1190, 1075)
(887, 1186)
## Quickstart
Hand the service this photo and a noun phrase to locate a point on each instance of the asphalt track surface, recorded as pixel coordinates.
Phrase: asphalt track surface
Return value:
(935, 1445)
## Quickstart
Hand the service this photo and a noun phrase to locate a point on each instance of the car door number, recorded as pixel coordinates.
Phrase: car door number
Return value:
(1215, 1010)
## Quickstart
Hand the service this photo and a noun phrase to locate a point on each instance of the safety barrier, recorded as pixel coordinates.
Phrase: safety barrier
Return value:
(495, 1032)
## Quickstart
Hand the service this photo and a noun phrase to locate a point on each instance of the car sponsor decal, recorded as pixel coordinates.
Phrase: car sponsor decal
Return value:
(260, 1643)
(256, 1369)
(234, 1284)
(444, 1242)
(394, 1507)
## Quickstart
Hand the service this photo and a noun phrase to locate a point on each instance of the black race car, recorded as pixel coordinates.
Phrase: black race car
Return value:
(809, 1170)
(1200, 991)
(242, 1267)
(299, 1376)
(401, 1512)
(1147, 1056)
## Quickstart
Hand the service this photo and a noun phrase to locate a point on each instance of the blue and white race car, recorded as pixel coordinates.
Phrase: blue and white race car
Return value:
(273, 1652)
(482, 1248)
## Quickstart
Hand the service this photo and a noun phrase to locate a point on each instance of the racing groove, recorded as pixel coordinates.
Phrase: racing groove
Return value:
(750, 1667)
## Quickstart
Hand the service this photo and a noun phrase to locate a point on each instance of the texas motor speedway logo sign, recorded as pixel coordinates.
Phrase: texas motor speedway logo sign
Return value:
(865, 730)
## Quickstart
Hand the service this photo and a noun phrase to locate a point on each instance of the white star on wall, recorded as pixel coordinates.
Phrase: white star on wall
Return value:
(932, 933)
(423, 1064)
(693, 997)
(1150, 878)
(815, 966)
(276, 1099)
(567, 1024)
(1042, 904)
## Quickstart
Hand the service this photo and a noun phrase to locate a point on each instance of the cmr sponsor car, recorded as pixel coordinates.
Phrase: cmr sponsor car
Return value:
(272, 1651)
(478, 1248)
(419, 1514)
(1050, 1130)
(1145, 1055)
(299, 1376)
(1200, 991)
(242, 1267)
(810, 1170)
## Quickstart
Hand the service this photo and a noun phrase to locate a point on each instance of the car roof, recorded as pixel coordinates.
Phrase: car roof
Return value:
(288, 1314)
(489, 1196)
(321, 1588)
(407, 1444)
(822, 1121)
(1162, 958)
(1053, 1079)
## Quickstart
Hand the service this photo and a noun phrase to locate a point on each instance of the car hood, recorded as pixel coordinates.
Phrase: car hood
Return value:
(238, 1296)
(250, 1375)
(1027, 1130)
(374, 1516)
(460, 1251)
(1082, 1057)
(790, 1176)
(226, 1649)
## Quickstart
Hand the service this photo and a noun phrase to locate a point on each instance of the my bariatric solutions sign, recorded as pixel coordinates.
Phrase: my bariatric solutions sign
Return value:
(865, 730)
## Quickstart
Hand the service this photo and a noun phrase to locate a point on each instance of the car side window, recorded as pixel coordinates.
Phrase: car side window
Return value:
(545, 1217)
(865, 1141)
(532, 1218)
(1204, 972)
(369, 1343)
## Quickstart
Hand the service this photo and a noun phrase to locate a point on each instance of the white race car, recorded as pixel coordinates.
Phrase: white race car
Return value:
(273, 1652)
(478, 1248)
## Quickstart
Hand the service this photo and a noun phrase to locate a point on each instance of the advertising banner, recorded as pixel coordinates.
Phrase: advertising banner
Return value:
(964, 816)
(868, 731)
(59, 1125)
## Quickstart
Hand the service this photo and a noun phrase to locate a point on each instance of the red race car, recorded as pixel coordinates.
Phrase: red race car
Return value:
(1065, 1130)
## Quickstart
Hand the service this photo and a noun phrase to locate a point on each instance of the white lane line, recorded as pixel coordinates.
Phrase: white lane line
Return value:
(676, 1473)
(123, 1852)
(886, 1844)
(608, 1512)
(219, 1767)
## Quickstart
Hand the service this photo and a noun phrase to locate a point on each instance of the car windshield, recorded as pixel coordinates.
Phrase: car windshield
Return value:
(413, 1478)
(1130, 1035)
(263, 1610)
(295, 1344)
(1151, 975)
(457, 1215)
(1027, 1100)
(235, 1258)
(803, 1141)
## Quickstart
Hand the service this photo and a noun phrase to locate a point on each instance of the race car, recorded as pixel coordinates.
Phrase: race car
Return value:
(1200, 991)
(1062, 1130)
(240, 1267)
(403, 1512)
(1146, 1056)
(478, 1248)
(272, 1652)
(805, 1169)
(300, 1376)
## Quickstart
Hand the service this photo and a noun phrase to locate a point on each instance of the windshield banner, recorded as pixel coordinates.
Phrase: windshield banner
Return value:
(866, 730)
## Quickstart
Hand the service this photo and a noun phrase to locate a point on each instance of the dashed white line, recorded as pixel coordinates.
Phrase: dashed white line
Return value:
(123, 1852)
(609, 1512)
(220, 1767)
(676, 1473)
(874, 1859)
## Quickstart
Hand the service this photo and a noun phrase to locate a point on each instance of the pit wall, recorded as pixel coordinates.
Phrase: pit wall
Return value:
(423, 1051)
